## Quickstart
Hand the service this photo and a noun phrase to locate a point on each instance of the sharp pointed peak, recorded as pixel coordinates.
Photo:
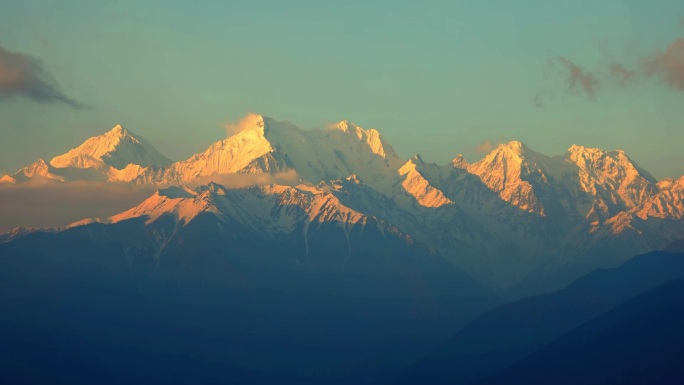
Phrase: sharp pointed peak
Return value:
(459, 161)
(119, 131)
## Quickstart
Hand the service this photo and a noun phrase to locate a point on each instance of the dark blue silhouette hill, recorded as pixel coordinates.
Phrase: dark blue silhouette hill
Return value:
(512, 331)
(639, 342)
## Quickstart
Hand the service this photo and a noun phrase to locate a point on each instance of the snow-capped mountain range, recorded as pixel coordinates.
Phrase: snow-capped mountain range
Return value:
(516, 217)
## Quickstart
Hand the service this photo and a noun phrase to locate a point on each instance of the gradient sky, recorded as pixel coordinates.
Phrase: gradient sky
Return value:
(435, 77)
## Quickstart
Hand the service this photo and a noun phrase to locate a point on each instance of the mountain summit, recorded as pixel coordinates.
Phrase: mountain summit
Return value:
(118, 148)
(514, 218)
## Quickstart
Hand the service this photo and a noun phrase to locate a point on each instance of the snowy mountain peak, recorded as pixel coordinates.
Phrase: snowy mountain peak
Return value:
(612, 178)
(117, 148)
(415, 182)
(513, 148)
(666, 184)
(370, 136)
(505, 171)
(119, 131)
(584, 157)
(514, 145)
(459, 162)
(246, 151)
(607, 164)
(37, 169)
(343, 125)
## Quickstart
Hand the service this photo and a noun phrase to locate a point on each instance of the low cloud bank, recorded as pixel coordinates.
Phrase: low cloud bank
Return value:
(43, 203)
(47, 203)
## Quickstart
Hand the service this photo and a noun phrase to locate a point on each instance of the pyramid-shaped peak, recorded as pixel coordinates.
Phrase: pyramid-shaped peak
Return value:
(459, 162)
(413, 164)
(117, 147)
(119, 131)
(510, 150)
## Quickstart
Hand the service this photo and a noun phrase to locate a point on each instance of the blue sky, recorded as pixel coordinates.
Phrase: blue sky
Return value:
(435, 77)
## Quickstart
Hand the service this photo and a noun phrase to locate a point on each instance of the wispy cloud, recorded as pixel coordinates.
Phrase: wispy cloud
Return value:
(251, 120)
(42, 202)
(667, 65)
(578, 78)
(622, 74)
(25, 76)
(485, 147)
(664, 66)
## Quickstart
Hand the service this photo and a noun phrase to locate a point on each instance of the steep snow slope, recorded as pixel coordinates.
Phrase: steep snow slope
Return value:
(611, 179)
(36, 169)
(415, 183)
(117, 156)
(269, 146)
(117, 148)
(510, 170)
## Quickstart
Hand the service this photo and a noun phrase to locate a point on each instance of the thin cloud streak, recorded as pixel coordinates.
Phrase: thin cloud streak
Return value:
(665, 66)
(622, 74)
(22, 75)
(668, 65)
(578, 78)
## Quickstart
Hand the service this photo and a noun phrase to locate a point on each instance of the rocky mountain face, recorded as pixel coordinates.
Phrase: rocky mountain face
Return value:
(515, 219)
